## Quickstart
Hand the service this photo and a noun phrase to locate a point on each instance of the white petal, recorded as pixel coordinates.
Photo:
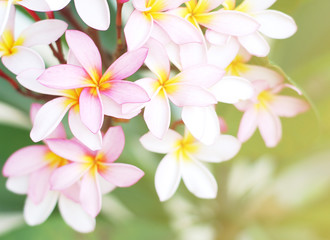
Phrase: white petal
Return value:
(255, 44)
(248, 124)
(270, 128)
(18, 185)
(255, 5)
(167, 178)
(257, 73)
(75, 216)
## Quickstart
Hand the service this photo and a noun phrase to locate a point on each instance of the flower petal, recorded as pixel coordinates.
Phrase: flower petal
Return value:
(35, 214)
(82, 133)
(270, 128)
(255, 5)
(96, 15)
(255, 44)
(75, 216)
(168, 176)
(90, 194)
(138, 29)
(232, 90)
(85, 51)
(198, 179)
(39, 184)
(248, 124)
(23, 59)
(224, 148)
(285, 106)
(113, 109)
(43, 32)
(44, 5)
(113, 143)
(48, 118)
(257, 73)
(164, 145)
(275, 24)
(192, 54)
(91, 109)
(207, 5)
(127, 64)
(25, 161)
(7, 15)
(68, 149)
(122, 175)
(67, 175)
(18, 185)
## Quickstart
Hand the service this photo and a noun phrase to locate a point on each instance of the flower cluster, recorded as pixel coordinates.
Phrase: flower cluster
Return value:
(194, 54)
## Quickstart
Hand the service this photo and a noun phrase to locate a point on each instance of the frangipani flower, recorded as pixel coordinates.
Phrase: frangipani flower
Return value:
(29, 170)
(90, 166)
(85, 86)
(188, 88)
(265, 108)
(182, 160)
(199, 12)
(151, 14)
(273, 24)
(16, 53)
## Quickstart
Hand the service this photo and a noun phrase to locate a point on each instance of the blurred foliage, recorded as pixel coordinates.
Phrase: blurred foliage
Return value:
(297, 167)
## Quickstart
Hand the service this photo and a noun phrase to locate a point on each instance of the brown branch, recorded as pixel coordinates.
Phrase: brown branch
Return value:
(67, 14)
(119, 25)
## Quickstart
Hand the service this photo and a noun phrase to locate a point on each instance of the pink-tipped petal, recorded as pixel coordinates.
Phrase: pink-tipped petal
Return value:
(270, 128)
(224, 148)
(91, 109)
(25, 161)
(285, 106)
(255, 44)
(191, 95)
(127, 64)
(68, 149)
(113, 143)
(202, 123)
(75, 216)
(122, 175)
(165, 145)
(18, 185)
(232, 90)
(43, 32)
(248, 125)
(23, 59)
(95, 15)
(113, 109)
(198, 179)
(157, 114)
(65, 77)
(82, 133)
(48, 118)
(168, 176)
(275, 24)
(35, 214)
(126, 92)
(39, 184)
(229, 22)
(90, 194)
(85, 51)
(179, 30)
(138, 29)
(67, 175)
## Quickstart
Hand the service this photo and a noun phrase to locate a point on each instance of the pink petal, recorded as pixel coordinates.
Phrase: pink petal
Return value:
(165, 145)
(140, 4)
(248, 125)
(65, 77)
(82, 133)
(96, 15)
(157, 114)
(179, 30)
(85, 51)
(48, 118)
(275, 24)
(138, 29)
(23, 59)
(270, 128)
(67, 175)
(285, 106)
(91, 109)
(229, 22)
(191, 95)
(192, 54)
(113, 109)
(113, 143)
(259, 73)
(122, 175)
(127, 64)
(25, 161)
(167, 178)
(126, 92)
(90, 194)
(255, 44)
(39, 184)
(43, 32)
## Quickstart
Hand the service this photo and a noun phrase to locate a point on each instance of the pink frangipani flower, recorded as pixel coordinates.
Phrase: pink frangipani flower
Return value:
(182, 161)
(91, 166)
(85, 85)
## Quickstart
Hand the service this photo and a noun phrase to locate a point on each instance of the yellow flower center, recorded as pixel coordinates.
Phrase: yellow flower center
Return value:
(95, 163)
(8, 44)
(55, 161)
(237, 66)
(186, 147)
(264, 98)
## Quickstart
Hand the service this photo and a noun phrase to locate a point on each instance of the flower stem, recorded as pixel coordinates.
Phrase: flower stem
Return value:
(120, 41)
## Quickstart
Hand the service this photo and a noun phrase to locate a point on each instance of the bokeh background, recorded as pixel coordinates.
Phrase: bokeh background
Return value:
(264, 194)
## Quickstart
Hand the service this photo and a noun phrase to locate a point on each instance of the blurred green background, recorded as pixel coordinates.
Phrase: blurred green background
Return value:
(264, 194)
